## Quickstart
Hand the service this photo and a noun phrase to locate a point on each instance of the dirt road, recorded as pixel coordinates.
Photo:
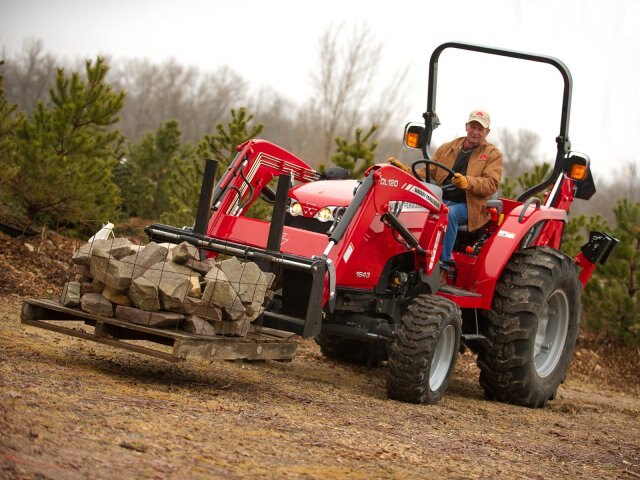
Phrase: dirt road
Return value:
(74, 409)
(71, 409)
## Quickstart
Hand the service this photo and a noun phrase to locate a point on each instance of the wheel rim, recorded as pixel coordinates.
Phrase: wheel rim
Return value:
(551, 335)
(442, 358)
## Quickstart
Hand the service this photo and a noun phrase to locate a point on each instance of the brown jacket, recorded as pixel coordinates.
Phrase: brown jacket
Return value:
(484, 173)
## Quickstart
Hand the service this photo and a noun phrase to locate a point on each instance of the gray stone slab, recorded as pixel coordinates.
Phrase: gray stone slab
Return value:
(173, 287)
(96, 304)
(184, 252)
(159, 319)
(151, 254)
(107, 269)
(70, 296)
(247, 279)
(208, 311)
(202, 267)
(239, 328)
(196, 325)
(116, 296)
(116, 247)
(145, 294)
(219, 291)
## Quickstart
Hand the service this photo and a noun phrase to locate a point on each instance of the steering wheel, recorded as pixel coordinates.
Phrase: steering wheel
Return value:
(445, 188)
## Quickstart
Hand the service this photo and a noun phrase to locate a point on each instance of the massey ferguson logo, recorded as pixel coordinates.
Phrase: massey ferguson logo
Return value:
(423, 194)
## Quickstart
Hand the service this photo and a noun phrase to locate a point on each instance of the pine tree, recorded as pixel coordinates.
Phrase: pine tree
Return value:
(576, 232)
(512, 188)
(144, 177)
(612, 297)
(348, 154)
(9, 121)
(222, 146)
(65, 152)
(186, 174)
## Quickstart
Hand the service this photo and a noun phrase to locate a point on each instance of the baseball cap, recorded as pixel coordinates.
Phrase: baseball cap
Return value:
(480, 116)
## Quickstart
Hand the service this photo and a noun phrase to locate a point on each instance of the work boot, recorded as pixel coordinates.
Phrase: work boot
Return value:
(448, 272)
(443, 277)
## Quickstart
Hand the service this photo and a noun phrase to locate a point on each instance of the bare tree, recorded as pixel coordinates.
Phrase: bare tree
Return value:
(155, 93)
(280, 119)
(216, 94)
(519, 151)
(347, 66)
(626, 183)
(29, 75)
(160, 92)
(346, 95)
(389, 105)
(519, 154)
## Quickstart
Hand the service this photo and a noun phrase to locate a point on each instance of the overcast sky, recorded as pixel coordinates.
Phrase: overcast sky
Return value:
(275, 43)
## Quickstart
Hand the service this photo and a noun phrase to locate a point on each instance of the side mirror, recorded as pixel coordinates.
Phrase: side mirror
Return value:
(413, 135)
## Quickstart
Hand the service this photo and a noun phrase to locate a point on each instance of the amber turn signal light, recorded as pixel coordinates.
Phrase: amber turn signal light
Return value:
(413, 140)
(578, 172)
(413, 135)
(576, 166)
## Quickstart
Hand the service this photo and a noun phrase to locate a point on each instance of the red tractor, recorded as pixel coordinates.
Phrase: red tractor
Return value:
(357, 263)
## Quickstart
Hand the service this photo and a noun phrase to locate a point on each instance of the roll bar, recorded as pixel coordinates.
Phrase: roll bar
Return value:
(562, 140)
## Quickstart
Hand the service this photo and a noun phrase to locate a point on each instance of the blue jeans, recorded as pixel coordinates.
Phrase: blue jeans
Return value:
(458, 214)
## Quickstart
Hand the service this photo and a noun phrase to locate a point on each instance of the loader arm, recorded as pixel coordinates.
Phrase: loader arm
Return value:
(396, 213)
(308, 264)
(255, 165)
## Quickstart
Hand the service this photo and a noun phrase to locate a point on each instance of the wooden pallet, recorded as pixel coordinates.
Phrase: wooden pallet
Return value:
(261, 343)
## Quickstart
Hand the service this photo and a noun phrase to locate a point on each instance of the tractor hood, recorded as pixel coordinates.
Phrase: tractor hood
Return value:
(324, 193)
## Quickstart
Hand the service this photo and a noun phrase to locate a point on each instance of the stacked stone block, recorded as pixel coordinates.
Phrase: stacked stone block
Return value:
(167, 286)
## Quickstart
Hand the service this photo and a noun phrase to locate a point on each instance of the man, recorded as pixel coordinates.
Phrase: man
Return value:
(478, 167)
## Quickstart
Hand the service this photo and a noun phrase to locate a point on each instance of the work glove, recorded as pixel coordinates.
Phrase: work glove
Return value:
(460, 181)
(397, 163)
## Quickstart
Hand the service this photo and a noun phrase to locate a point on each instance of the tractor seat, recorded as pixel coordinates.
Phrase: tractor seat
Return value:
(434, 188)
(493, 202)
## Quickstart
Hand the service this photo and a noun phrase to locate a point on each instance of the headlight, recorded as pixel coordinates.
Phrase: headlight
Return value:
(295, 209)
(324, 215)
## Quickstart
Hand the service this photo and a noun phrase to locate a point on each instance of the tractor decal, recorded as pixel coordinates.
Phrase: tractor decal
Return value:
(423, 194)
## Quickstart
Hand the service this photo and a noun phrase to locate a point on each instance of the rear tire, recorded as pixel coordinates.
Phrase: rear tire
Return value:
(532, 328)
(423, 353)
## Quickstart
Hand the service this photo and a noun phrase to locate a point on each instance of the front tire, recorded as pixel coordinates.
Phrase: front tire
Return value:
(532, 328)
(423, 353)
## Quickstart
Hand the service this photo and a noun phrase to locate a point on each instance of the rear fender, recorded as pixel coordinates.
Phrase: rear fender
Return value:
(482, 275)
